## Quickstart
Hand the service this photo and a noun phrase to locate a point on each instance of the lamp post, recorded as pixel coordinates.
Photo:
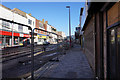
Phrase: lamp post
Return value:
(69, 25)
(81, 12)
(32, 50)
(12, 40)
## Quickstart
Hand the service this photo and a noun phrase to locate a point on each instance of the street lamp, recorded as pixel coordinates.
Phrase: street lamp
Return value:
(12, 40)
(69, 25)
(32, 49)
(81, 12)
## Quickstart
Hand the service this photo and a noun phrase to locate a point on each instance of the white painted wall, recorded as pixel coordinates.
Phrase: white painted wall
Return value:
(33, 21)
(63, 35)
(20, 19)
(5, 13)
(9, 15)
(48, 28)
(0, 24)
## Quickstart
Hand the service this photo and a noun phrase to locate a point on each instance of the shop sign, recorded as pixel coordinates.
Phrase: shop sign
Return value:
(39, 36)
(21, 35)
(26, 35)
(118, 36)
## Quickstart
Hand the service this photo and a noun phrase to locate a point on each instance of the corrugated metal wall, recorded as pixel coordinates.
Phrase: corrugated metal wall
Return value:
(89, 42)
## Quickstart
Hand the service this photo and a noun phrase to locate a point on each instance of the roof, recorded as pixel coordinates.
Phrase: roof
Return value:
(5, 7)
(18, 11)
(31, 15)
(53, 27)
(93, 8)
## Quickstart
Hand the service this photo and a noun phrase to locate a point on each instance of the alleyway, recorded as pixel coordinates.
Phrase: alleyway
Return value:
(73, 65)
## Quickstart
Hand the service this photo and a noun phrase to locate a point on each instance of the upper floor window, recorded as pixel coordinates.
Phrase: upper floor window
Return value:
(29, 21)
(41, 25)
(5, 24)
(53, 29)
(20, 28)
(33, 23)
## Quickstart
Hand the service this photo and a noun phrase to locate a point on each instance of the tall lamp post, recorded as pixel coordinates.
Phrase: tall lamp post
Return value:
(69, 25)
(81, 12)
(12, 40)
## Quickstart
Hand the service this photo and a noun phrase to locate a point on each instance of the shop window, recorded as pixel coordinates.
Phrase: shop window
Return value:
(20, 28)
(16, 41)
(112, 36)
(8, 41)
(118, 35)
(118, 51)
(39, 40)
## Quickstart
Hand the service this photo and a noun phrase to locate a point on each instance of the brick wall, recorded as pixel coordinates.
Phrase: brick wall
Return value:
(114, 14)
(37, 25)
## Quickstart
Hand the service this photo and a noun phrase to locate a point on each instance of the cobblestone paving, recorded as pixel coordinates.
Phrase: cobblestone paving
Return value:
(72, 65)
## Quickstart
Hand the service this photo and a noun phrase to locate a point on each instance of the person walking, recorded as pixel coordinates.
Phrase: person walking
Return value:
(44, 45)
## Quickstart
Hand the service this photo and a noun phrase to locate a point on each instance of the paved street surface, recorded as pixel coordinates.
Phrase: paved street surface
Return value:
(16, 69)
(73, 65)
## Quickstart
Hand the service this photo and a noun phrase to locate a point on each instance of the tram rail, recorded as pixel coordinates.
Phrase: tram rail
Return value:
(18, 52)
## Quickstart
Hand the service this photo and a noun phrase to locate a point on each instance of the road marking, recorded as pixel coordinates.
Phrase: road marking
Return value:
(37, 53)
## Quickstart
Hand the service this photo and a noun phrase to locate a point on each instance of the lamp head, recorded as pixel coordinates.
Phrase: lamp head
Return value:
(67, 6)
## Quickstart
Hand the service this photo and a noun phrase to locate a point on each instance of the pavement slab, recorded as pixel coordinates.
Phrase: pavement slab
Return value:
(73, 65)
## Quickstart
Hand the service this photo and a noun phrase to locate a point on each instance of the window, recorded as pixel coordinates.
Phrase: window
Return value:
(41, 25)
(5, 24)
(20, 28)
(33, 23)
(53, 29)
(29, 21)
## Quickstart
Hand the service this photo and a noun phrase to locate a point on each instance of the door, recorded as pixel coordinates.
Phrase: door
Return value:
(118, 52)
(114, 53)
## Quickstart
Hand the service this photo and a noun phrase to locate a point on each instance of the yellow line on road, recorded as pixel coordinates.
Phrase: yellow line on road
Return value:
(37, 53)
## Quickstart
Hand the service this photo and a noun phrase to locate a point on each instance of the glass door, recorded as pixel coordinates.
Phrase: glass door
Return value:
(112, 53)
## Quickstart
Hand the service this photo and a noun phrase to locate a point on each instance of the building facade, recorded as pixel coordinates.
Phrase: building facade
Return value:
(14, 28)
(12, 34)
(54, 36)
(102, 40)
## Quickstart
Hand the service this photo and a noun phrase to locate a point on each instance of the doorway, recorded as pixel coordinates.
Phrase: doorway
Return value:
(113, 53)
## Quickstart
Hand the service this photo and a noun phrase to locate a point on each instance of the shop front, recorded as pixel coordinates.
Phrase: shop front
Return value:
(41, 38)
(6, 38)
(113, 50)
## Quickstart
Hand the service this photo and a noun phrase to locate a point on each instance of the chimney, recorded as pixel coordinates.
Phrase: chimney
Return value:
(42, 20)
(30, 14)
(46, 22)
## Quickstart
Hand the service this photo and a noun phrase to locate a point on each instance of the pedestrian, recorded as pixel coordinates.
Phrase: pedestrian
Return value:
(44, 45)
